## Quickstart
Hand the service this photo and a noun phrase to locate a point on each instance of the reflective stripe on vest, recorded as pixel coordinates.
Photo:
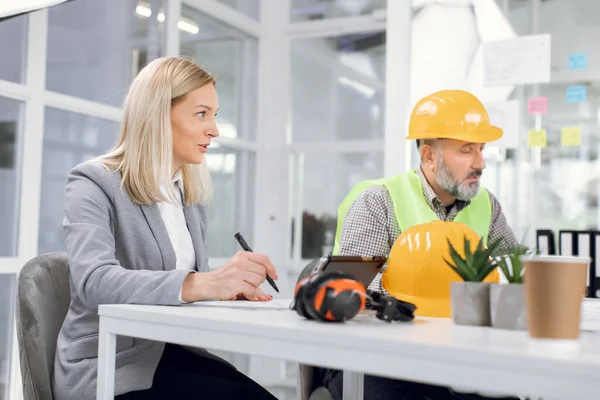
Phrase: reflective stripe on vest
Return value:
(411, 208)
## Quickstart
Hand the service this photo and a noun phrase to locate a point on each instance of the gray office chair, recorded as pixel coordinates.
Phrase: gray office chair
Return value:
(43, 299)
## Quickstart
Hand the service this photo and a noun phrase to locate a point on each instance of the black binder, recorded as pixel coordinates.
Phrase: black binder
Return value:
(545, 242)
(583, 243)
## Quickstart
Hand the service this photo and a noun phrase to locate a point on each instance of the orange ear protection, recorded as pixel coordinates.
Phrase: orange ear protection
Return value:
(333, 296)
(337, 297)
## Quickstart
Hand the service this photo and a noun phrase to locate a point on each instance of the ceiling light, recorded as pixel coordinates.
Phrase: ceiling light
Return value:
(188, 27)
(143, 11)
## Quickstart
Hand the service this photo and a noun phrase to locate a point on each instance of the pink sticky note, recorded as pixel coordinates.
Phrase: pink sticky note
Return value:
(538, 105)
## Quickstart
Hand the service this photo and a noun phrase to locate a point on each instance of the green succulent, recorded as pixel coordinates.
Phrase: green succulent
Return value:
(475, 266)
(512, 266)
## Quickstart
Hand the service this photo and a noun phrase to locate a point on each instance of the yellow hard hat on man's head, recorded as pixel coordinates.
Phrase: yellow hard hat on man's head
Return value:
(452, 114)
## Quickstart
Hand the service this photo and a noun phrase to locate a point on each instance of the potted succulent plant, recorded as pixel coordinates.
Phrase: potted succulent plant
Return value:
(507, 301)
(470, 299)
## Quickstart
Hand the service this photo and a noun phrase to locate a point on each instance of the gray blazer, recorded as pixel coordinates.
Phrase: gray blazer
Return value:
(119, 253)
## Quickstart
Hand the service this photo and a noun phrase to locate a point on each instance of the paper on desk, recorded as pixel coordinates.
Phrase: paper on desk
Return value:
(277, 304)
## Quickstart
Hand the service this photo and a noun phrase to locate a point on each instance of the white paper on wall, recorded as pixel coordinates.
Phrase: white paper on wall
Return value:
(522, 60)
(506, 116)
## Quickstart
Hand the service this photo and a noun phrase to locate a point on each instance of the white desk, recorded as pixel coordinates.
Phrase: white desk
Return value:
(428, 350)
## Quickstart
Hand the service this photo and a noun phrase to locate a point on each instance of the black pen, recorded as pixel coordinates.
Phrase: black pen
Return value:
(245, 246)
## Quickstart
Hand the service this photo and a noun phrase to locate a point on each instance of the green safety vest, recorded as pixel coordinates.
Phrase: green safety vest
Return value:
(411, 208)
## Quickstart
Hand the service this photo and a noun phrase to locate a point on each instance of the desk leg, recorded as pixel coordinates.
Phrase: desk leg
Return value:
(107, 351)
(353, 385)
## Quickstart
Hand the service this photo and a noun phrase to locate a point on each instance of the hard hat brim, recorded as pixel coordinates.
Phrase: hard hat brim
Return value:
(491, 134)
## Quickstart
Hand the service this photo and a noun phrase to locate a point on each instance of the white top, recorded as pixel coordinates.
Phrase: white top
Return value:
(174, 220)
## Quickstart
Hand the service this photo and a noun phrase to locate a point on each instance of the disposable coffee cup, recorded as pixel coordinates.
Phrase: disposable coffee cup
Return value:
(554, 290)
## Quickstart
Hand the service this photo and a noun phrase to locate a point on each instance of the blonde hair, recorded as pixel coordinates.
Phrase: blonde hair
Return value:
(144, 152)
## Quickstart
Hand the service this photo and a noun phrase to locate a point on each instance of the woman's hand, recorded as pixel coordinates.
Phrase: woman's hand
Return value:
(238, 278)
(261, 296)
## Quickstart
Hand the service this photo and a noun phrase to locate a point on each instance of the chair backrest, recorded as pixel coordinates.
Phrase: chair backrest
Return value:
(43, 299)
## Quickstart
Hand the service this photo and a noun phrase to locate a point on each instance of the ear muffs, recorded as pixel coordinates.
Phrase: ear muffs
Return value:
(333, 296)
(337, 296)
(299, 295)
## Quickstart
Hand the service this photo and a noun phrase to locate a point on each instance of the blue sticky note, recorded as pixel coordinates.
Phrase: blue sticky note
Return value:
(576, 93)
(578, 61)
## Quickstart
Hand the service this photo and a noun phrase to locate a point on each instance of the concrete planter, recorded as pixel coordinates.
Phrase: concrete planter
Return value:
(507, 306)
(470, 303)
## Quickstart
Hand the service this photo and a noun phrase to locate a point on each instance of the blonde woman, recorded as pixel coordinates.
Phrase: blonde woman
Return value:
(135, 229)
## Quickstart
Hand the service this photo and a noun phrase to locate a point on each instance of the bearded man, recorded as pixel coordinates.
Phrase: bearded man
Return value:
(451, 128)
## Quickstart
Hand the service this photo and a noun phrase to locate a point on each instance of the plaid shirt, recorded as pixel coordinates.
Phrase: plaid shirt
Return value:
(370, 227)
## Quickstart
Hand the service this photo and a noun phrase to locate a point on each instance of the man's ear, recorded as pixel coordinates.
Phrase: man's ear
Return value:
(427, 154)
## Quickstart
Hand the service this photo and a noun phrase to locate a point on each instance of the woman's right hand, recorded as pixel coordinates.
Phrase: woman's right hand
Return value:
(239, 277)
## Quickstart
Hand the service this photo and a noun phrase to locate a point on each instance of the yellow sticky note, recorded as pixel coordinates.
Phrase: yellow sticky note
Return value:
(570, 136)
(537, 138)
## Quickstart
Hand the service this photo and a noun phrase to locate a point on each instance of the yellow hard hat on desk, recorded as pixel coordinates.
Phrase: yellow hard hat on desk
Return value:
(417, 271)
(452, 114)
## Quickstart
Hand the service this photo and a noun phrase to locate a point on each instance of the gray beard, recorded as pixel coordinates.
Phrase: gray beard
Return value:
(461, 191)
